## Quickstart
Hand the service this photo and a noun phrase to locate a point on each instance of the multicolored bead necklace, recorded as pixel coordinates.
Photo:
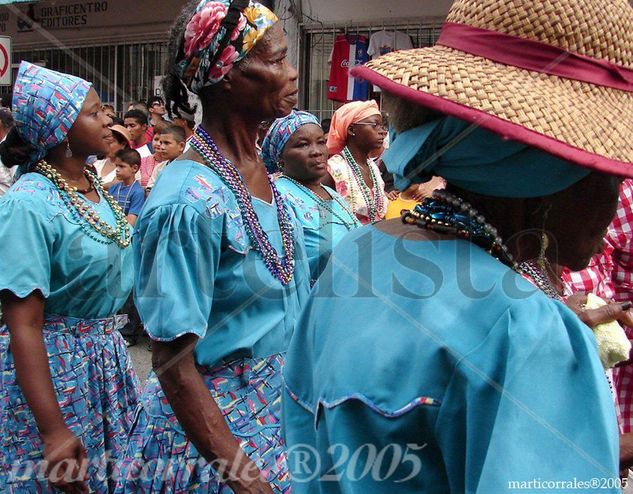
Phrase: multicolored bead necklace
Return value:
(83, 213)
(448, 214)
(323, 204)
(374, 201)
(280, 268)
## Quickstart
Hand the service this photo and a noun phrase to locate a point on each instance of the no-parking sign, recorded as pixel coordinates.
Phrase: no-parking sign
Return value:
(5, 61)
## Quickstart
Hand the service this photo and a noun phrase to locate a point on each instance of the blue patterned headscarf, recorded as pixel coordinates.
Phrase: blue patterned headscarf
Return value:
(277, 137)
(205, 36)
(45, 106)
(477, 160)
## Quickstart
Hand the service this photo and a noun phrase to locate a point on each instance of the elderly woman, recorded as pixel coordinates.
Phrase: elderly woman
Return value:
(220, 268)
(67, 387)
(356, 136)
(480, 380)
(296, 145)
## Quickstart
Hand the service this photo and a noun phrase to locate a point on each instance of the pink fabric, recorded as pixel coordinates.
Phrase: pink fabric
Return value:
(147, 168)
(345, 116)
(495, 124)
(610, 276)
(535, 56)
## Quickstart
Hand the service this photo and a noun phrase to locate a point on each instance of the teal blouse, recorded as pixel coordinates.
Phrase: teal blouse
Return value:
(44, 247)
(323, 228)
(430, 367)
(197, 272)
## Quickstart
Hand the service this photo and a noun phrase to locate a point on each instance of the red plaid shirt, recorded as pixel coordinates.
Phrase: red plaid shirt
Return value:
(610, 276)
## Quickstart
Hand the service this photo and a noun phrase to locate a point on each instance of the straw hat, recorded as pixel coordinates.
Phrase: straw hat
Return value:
(554, 74)
(119, 129)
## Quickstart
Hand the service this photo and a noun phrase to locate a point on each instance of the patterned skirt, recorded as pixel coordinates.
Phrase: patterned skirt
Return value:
(160, 458)
(97, 390)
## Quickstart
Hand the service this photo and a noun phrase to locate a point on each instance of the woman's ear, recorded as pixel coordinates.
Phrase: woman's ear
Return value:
(350, 131)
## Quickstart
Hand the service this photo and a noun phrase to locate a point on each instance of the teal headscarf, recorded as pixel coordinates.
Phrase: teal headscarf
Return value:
(477, 160)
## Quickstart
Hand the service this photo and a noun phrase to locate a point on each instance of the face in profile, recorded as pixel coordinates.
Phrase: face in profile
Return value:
(304, 157)
(264, 84)
(90, 134)
(579, 218)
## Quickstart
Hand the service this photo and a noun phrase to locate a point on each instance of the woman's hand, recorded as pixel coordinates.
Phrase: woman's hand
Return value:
(594, 317)
(393, 195)
(67, 463)
(249, 480)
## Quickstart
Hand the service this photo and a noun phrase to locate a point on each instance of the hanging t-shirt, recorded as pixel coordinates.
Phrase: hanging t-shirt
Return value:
(348, 51)
(384, 42)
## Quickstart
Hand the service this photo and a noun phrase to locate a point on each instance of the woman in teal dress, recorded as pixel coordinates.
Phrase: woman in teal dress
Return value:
(296, 145)
(435, 354)
(221, 271)
(67, 387)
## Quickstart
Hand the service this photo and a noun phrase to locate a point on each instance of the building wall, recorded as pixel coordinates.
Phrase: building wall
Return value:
(363, 11)
(76, 23)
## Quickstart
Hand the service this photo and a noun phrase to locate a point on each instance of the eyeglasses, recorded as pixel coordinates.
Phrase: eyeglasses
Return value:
(375, 125)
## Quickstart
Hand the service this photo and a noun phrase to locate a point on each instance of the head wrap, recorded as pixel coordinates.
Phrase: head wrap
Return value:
(205, 35)
(477, 160)
(280, 131)
(45, 106)
(345, 116)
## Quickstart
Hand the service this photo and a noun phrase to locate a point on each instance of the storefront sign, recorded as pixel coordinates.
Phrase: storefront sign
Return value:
(60, 16)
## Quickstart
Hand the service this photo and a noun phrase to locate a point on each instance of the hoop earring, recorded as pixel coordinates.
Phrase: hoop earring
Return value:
(69, 152)
(542, 257)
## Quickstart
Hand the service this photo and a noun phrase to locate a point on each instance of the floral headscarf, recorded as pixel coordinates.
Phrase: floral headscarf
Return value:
(45, 106)
(278, 135)
(202, 65)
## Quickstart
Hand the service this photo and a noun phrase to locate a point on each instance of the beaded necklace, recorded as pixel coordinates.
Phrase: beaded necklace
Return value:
(323, 204)
(85, 215)
(448, 214)
(280, 268)
(373, 201)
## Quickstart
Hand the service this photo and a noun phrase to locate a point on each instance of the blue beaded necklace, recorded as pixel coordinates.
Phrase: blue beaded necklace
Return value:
(449, 214)
(280, 267)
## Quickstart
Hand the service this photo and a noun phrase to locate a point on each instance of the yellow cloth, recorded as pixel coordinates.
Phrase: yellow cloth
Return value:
(395, 207)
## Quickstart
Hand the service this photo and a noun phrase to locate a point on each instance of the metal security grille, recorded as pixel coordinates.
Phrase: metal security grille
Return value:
(317, 43)
(120, 73)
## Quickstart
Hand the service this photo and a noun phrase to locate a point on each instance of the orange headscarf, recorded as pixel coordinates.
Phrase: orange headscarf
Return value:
(345, 116)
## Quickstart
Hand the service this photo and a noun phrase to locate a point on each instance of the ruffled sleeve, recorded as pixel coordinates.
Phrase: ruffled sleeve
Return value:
(176, 256)
(26, 248)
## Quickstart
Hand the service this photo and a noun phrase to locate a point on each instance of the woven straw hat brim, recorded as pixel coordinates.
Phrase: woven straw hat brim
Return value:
(589, 125)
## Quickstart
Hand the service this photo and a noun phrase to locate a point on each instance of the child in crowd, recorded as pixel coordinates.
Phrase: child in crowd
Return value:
(128, 192)
(150, 162)
(136, 124)
(171, 145)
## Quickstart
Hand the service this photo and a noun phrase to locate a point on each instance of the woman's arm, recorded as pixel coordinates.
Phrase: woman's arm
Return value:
(25, 318)
(200, 416)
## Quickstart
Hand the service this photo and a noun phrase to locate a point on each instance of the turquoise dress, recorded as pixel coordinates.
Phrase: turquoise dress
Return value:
(430, 367)
(84, 281)
(198, 273)
(323, 227)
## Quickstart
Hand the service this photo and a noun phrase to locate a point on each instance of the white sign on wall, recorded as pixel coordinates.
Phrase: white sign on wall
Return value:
(5, 61)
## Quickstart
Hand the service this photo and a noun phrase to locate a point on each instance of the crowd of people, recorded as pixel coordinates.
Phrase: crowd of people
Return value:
(395, 299)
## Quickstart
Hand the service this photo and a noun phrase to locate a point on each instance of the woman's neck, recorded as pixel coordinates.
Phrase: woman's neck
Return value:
(360, 155)
(72, 169)
(235, 137)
